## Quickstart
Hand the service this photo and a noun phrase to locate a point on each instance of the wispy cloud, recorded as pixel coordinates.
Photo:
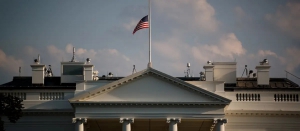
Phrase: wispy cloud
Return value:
(239, 11)
(228, 46)
(293, 60)
(10, 63)
(130, 25)
(103, 59)
(192, 14)
(287, 18)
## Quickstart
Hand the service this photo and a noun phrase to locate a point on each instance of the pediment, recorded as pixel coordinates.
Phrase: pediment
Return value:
(149, 86)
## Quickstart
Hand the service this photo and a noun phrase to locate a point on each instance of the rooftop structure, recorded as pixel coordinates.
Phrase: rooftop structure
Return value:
(218, 100)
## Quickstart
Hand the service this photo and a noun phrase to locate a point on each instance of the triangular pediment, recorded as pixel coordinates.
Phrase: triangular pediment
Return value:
(151, 86)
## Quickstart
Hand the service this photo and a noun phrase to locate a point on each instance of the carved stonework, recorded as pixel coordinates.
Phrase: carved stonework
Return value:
(177, 120)
(213, 125)
(83, 120)
(130, 120)
(223, 121)
(217, 121)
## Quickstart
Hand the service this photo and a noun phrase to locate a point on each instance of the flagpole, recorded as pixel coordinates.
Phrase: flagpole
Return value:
(149, 20)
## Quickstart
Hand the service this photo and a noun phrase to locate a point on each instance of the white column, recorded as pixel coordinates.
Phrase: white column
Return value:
(173, 123)
(220, 124)
(126, 123)
(79, 123)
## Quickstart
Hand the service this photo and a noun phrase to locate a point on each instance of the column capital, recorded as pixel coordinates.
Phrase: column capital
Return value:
(83, 120)
(177, 120)
(130, 120)
(220, 120)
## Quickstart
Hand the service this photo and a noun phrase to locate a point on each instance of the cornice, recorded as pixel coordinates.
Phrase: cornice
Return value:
(270, 114)
(48, 112)
(172, 104)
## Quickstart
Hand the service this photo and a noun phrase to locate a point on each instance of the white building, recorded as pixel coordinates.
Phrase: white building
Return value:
(150, 100)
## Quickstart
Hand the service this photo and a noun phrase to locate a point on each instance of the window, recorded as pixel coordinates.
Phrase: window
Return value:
(72, 70)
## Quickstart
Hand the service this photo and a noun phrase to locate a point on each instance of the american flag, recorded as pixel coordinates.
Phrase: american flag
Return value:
(142, 24)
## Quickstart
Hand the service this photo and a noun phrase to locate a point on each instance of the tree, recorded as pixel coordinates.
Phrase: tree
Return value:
(11, 107)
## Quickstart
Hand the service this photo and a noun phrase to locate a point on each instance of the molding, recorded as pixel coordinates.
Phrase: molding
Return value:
(96, 115)
(213, 125)
(288, 114)
(217, 121)
(146, 72)
(176, 120)
(201, 104)
(220, 120)
(82, 120)
(29, 112)
(129, 120)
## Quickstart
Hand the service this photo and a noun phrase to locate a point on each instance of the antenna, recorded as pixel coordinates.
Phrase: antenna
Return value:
(39, 58)
(246, 71)
(19, 71)
(133, 70)
(188, 71)
(73, 58)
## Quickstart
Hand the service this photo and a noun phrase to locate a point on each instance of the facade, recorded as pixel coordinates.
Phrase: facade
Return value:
(150, 100)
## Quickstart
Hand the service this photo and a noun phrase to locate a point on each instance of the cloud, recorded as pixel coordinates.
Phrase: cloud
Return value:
(293, 60)
(57, 54)
(228, 47)
(243, 20)
(170, 48)
(130, 25)
(192, 14)
(176, 51)
(30, 51)
(287, 18)
(107, 59)
(266, 53)
(10, 63)
(69, 48)
(289, 60)
(239, 11)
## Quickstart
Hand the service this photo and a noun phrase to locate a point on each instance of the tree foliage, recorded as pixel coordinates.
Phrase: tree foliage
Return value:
(11, 107)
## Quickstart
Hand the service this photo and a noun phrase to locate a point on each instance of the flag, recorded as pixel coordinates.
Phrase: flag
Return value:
(142, 24)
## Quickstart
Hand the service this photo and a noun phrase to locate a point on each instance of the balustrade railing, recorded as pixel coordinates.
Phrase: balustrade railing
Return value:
(21, 95)
(51, 96)
(286, 97)
(247, 97)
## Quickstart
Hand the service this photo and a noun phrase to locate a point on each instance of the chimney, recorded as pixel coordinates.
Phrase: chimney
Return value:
(38, 74)
(263, 70)
(225, 71)
(88, 70)
(209, 71)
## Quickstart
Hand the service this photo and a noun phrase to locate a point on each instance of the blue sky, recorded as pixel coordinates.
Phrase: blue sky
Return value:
(183, 31)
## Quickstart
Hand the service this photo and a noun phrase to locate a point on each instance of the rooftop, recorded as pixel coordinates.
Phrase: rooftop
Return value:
(242, 83)
(25, 82)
